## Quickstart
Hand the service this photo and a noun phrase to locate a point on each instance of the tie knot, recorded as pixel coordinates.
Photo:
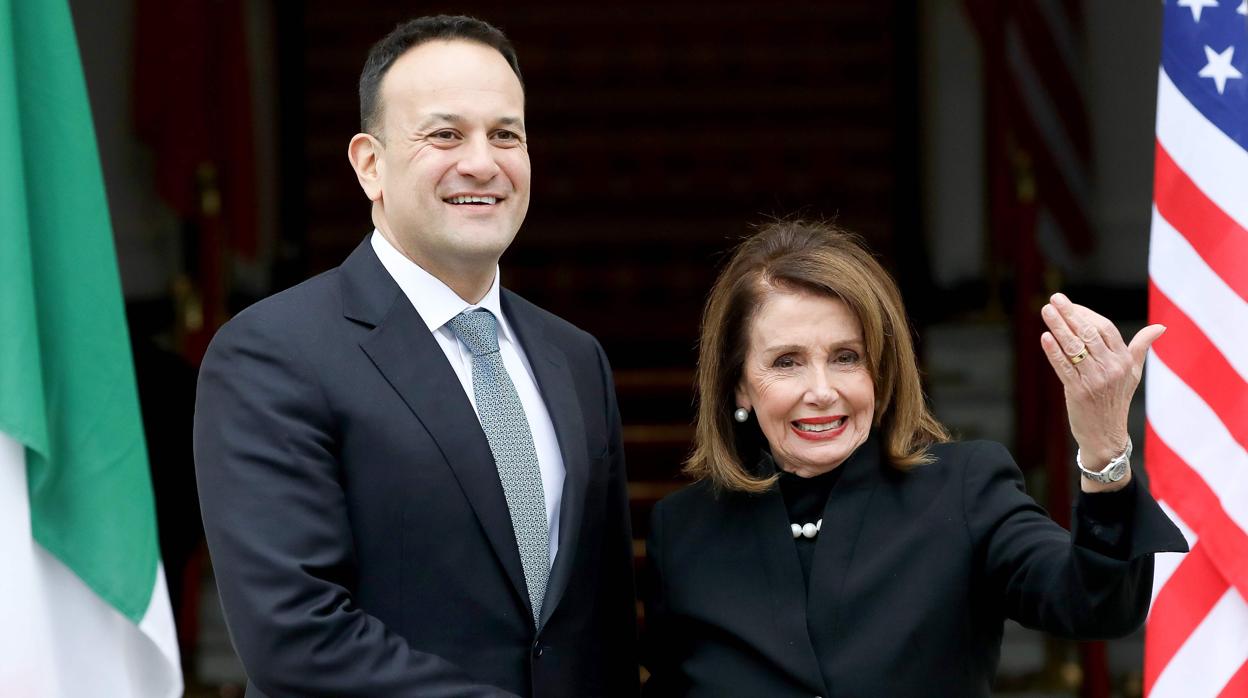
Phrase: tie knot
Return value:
(478, 329)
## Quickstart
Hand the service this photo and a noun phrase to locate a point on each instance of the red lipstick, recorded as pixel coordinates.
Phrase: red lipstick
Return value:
(820, 435)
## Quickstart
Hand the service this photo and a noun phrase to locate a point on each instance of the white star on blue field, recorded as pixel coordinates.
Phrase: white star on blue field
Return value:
(1205, 53)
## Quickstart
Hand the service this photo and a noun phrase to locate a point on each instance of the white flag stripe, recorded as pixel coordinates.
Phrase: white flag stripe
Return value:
(1047, 120)
(1212, 653)
(1164, 564)
(1195, 433)
(1199, 292)
(26, 646)
(1217, 164)
(68, 641)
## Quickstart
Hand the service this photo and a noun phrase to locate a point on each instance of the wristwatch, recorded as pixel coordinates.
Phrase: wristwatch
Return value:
(1115, 471)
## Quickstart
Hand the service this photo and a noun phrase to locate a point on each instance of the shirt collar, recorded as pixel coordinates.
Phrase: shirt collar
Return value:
(434, 300)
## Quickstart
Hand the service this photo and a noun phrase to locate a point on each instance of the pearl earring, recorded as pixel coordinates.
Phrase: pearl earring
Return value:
(741, 414)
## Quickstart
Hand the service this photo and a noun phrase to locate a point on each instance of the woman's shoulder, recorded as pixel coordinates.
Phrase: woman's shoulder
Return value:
(964, 451)
(696, 495)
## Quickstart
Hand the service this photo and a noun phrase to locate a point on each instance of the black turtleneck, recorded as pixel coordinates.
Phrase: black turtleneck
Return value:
(805, 499)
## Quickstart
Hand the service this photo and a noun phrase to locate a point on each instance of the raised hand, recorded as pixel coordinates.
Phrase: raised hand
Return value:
(1099, 374)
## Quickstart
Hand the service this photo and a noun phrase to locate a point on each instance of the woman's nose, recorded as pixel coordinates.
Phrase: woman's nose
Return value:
(820, 391)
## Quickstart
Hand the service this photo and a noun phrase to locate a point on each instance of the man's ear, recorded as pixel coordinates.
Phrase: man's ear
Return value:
(365, 156)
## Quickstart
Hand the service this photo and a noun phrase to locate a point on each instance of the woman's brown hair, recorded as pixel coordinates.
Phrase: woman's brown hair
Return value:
(817, 258)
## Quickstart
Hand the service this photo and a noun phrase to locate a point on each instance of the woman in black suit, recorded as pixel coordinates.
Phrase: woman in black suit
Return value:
(836, 542)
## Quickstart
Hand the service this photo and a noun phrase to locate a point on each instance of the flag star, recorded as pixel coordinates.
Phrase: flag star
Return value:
(1196, 6)
(1243, 8)
(1219, 67)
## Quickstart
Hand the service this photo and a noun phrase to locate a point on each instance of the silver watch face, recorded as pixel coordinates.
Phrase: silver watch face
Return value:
(1115, 471)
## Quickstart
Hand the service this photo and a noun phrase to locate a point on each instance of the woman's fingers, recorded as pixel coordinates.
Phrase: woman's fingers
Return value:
(1057, 358)
(1068, 341)
(1108, 331)
(1081, 324)
(1142, 341)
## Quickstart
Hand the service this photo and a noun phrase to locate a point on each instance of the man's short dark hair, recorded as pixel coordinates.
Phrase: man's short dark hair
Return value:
(415, 32)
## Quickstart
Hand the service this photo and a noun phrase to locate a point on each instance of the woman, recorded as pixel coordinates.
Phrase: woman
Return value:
(836, 542)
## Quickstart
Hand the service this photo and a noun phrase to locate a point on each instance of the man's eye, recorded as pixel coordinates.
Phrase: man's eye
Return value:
(506, 136)
(446, 136)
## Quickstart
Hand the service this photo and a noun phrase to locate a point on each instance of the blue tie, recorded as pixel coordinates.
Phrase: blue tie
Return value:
(507, 431)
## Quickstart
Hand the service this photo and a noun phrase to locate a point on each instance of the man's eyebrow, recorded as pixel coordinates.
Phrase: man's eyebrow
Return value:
(455, 119)
(440, 118)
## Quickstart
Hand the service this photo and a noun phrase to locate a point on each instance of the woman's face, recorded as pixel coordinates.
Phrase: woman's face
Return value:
(806, 379)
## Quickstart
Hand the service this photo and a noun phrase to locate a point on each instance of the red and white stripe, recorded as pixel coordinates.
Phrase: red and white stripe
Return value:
(1047, 101)
(1196, 391)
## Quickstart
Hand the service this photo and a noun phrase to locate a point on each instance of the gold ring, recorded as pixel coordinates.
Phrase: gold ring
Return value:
(1083, 354)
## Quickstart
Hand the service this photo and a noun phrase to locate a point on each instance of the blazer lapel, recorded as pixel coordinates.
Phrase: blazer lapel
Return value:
(406, 353)
(554, 380)
(843, 516)
(769, 520)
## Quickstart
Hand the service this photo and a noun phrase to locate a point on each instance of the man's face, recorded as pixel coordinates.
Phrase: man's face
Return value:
(454, 167)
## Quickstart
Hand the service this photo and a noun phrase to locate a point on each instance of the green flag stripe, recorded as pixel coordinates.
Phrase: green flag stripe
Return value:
(21, 386)
(90, 493)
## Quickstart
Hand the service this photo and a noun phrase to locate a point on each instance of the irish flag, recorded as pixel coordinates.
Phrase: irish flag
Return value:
(83, 606)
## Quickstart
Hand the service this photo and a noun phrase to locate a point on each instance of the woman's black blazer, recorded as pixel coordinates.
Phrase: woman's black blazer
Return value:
(912, 578)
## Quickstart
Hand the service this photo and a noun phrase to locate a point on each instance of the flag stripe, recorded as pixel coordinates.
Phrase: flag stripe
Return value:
(1200, 365)
(1176, 414)
(1046, 117)
(1220, 241)
(1237, 687)
(1217, 164)
(1183, 276)
(1187, 597)
(1055, 73)
(1178, 484)
(1212, 654)
(1165, 564)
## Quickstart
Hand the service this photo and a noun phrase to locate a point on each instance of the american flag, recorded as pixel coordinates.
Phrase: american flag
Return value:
(1196, 389)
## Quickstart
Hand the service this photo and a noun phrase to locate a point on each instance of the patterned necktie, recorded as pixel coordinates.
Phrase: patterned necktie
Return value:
(507, 431)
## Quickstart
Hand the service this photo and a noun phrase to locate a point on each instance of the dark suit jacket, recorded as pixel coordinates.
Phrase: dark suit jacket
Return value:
(358, 530)
(912, 577)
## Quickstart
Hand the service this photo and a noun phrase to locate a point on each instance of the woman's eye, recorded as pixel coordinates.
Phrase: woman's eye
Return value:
(784, 362)
(847, 357)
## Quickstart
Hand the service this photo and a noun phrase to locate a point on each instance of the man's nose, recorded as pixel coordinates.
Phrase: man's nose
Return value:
(477, 160)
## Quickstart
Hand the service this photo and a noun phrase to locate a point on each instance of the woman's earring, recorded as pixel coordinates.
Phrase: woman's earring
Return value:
(741, 414)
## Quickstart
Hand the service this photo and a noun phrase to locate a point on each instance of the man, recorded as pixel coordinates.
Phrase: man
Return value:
(412, 481)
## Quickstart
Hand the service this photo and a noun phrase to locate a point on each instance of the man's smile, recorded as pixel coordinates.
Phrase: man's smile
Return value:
(473, 199)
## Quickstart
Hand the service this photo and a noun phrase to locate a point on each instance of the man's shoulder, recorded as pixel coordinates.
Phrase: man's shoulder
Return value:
(556, 328)
(299, 314)
(306, 301)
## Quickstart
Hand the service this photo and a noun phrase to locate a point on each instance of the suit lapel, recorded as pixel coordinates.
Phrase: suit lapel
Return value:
(766, 516)
(406, 353)
(554, 380)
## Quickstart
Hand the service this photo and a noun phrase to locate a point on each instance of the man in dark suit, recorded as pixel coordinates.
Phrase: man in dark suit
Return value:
(412, 481)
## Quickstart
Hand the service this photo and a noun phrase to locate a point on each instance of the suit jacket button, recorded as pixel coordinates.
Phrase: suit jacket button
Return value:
(538, 650)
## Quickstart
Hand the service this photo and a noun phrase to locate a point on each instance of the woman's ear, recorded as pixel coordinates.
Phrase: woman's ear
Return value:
(742, 397)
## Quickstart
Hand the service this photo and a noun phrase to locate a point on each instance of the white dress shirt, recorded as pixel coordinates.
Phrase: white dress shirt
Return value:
(437, 304)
